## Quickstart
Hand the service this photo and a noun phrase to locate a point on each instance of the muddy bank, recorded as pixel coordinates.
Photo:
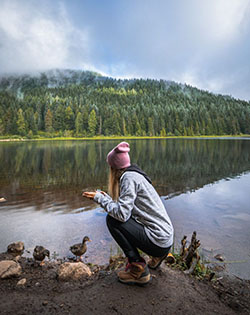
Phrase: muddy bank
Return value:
(169, 292)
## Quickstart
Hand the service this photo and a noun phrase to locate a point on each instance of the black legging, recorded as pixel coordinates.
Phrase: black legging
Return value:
(131, 235)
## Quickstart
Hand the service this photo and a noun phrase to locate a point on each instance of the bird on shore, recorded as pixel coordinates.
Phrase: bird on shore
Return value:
(16, 249)
(79, 249)
(40, 253)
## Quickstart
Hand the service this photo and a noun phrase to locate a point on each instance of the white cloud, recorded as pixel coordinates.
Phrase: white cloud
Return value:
(32, 37)
(228, 16)
(202, 43)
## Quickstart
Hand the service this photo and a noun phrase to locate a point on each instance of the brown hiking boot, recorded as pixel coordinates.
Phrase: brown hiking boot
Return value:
(156, 261)
(135, 273)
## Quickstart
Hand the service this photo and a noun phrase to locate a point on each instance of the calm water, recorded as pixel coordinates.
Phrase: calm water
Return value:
(204, 183)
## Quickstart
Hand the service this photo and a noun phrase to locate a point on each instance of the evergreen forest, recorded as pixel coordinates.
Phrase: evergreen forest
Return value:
(69, 103)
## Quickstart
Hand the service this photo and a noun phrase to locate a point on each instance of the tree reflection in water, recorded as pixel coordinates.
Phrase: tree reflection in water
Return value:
(52, 174)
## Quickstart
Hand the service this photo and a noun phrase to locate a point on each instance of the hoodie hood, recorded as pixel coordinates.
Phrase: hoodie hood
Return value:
(136, 168)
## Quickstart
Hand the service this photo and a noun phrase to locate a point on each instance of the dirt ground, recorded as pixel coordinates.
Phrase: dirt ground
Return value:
(169, 292)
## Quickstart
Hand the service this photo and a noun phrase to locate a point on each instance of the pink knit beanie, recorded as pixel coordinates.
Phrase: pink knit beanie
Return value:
(118, 157)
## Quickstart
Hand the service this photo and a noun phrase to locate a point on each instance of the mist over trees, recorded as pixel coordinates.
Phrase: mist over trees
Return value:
(82, 103)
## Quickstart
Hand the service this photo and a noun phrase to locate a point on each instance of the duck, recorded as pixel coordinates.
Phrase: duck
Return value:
(40, 253)
(79, 249)
(16, 249)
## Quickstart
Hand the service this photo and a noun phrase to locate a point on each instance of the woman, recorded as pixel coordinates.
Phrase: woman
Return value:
(137, 218)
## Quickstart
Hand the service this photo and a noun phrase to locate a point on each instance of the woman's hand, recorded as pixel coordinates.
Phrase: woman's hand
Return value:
(89, 194)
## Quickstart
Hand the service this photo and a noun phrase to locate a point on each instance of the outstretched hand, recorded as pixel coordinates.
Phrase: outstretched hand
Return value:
(91, 194)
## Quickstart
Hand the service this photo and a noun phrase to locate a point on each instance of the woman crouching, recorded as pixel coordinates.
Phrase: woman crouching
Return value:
(137, 218)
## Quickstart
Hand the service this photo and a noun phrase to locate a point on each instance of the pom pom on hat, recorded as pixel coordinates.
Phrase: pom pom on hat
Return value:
(118, 157)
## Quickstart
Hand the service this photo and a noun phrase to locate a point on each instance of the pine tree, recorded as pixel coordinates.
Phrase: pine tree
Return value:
(163, 132)
(185, 133)
(138, 131)
(209, 127)
(10, 122)
(29, 118)
(69, 118)
(79, 124)
(124, 129)
(59, 117)
(92, 123)
(85, 118)
(21, 127)
(49, 121)
(35, 123)
(100, 125)
(197, 128)
(151, 127)
(1, 127)
(178, 125)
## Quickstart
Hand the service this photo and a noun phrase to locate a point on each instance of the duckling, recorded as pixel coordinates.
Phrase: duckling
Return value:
(16, 249)
(40, 253)
(79, 249)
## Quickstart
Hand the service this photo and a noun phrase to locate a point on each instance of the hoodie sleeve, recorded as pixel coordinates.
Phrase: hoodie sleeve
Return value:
(122, 209)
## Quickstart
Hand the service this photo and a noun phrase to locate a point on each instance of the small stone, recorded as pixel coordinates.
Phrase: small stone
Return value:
(9, 268)
(3, 199)
(219, 257)
(45, 303)
(37, 284)
(73, 271)
(21, 282)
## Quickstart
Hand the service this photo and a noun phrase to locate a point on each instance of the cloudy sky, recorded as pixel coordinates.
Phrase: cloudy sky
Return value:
(202, 43)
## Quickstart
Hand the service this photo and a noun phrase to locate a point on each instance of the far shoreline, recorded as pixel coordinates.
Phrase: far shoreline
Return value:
(23, 139)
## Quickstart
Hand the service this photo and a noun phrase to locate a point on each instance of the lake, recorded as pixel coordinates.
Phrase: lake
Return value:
(204, 184)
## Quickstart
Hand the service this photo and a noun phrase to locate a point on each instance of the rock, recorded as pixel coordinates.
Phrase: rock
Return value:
(9, 268)
(219, 257)
(3, 199)
(73, 271)
(21, 282)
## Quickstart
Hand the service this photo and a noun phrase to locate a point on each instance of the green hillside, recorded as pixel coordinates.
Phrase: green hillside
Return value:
(83, 103)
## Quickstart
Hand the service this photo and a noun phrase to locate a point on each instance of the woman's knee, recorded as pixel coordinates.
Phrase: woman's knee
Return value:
(111, 222)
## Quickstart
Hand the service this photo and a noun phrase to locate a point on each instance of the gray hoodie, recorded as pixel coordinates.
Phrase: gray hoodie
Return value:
(139, 199)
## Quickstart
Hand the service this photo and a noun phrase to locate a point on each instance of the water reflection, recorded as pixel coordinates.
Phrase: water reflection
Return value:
(43, 181)
(56, 172)
(220, 214)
